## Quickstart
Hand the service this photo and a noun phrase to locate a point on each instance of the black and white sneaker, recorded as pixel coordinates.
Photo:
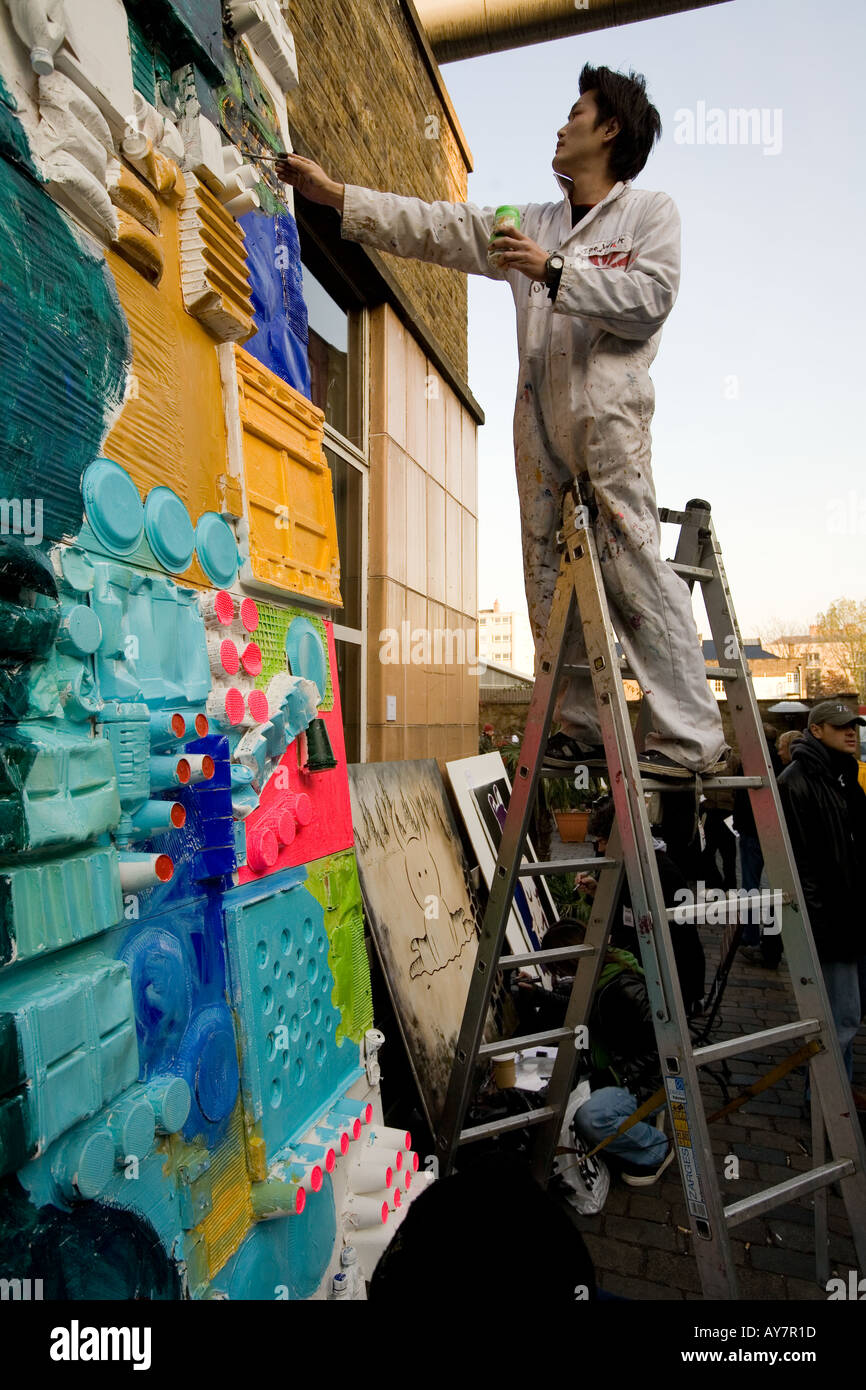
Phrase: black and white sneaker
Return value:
(636, 1175)
(656, 764)
(563, 751)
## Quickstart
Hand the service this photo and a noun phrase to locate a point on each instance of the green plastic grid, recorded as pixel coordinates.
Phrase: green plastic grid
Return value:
(270, 635)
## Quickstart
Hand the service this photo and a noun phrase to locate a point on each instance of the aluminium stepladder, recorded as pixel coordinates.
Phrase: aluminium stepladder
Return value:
(579, 596)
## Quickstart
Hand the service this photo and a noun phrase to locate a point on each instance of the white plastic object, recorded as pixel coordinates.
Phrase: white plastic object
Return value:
(41, 27)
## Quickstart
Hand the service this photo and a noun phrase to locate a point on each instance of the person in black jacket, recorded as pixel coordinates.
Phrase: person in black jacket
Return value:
(758, 947)
(825, 811)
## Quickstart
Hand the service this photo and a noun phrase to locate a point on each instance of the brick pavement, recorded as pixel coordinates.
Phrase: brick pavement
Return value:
(641, 1242)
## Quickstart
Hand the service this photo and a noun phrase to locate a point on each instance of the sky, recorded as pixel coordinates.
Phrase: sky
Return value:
(759, 378)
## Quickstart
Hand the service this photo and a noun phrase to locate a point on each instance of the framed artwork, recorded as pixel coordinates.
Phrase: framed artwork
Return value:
(423, 913)
(482, 791)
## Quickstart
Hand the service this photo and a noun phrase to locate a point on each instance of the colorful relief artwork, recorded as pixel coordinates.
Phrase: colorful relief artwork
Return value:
(423, 912)
(189, 1100)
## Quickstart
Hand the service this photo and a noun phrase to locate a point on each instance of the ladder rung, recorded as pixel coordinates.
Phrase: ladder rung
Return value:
(691, 572)
(671, 517)
(722, 673)
(553, 1035)
(688, 912)
(561, 866)
(532, 1117)
(754, 1042)
(777, 1196)
(543, 957)
(679, 784)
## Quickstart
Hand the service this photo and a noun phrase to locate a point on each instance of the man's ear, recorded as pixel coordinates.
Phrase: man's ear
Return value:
(612, 128)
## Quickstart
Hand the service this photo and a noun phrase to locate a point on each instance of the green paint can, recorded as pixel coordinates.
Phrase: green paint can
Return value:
(505, 219)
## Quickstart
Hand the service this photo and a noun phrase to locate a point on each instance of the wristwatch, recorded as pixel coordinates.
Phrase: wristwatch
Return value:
(552, 273)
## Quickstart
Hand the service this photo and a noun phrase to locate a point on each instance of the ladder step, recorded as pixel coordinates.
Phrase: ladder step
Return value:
(799, 1186)
(543, 957)
(679, 784)
(689, 912)
(691, 572)
(722, 673)
(755, 1042)
(532, 1117)
(553, 1035)
(561, 866)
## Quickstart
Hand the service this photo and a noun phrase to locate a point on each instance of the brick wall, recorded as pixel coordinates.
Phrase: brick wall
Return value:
(362, 111)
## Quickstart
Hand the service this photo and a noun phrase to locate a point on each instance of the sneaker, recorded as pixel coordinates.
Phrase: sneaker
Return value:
(635, 1175)
(563, 751)
(656, 764)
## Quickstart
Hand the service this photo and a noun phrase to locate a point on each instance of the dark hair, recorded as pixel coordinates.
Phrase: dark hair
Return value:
(601, 820)
(480, 1233)
(626, 98)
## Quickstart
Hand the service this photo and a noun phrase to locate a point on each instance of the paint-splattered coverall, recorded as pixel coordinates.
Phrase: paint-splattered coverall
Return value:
(584, 407)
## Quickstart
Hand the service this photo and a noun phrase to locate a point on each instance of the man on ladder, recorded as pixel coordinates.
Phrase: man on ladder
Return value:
(594, 277)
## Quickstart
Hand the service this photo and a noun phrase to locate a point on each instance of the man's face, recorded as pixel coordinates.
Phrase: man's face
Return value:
(844, 739)
(579, 142)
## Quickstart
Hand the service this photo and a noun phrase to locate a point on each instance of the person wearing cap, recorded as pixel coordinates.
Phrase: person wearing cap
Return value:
(825, 811)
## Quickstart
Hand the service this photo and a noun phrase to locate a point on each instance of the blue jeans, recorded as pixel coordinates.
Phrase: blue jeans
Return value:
(841, 979)
(751, 869)
(603, 1114)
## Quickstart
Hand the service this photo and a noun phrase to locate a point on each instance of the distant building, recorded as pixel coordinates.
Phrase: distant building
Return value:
(823, 659)
(506, 639)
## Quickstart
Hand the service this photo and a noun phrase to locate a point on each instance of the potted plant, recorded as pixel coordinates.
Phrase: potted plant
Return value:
(570, 805)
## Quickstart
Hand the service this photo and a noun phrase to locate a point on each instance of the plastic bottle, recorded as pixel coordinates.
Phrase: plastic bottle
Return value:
(505, 219)
(340, 1287)
(352, 1270)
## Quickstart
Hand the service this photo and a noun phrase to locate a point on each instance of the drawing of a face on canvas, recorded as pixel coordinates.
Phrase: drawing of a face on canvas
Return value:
(446, 932)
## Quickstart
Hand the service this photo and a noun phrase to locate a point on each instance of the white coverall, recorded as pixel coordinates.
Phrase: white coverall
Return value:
(584, 407)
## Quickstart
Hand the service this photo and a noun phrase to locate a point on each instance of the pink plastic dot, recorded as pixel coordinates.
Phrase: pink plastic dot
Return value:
(251, 659)
(301, 806)
(249, 614)
(300, 1201)
(229, 657)
(356, 1129)
(317, 1177)
(330, 1161)
(398, 1163)
(408, 1140)
(407, 1180)
(224, 606)
(389, 1176)
(368, 1114)
(284, 827)
(234, 706)
(398, 1197)
(257, 701)
(384, 1213)
(344, 1143)
(415, 1163)
(262, 850)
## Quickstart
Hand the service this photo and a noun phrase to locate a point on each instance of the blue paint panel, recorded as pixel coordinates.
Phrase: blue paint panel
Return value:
(274, 260)
(291, 1253)
(281, 988)
(153, 643)
(77, 1032)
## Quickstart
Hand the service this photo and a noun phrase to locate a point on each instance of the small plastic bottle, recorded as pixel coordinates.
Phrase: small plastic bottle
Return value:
(505, 219)
(340, 1287)
(349, 1261)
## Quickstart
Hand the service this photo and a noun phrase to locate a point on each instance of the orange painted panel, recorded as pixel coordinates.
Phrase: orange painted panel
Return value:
(290, 499)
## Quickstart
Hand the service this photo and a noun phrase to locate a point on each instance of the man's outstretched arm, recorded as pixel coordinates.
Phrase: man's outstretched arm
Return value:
(450, 234)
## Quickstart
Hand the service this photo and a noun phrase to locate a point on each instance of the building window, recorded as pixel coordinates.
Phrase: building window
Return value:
(337, 338)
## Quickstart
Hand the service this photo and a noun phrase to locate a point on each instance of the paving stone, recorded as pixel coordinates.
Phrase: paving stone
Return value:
(649, 1234)
(679, 1271)
(614, 1255)
(759, 1284)
(649, 1208)
(788, 1262)
(639, 1289)
(760, 1154)
(806, 1289)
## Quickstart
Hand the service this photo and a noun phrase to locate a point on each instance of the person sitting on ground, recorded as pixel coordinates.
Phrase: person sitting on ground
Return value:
(825, 812)
(622, 1064)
